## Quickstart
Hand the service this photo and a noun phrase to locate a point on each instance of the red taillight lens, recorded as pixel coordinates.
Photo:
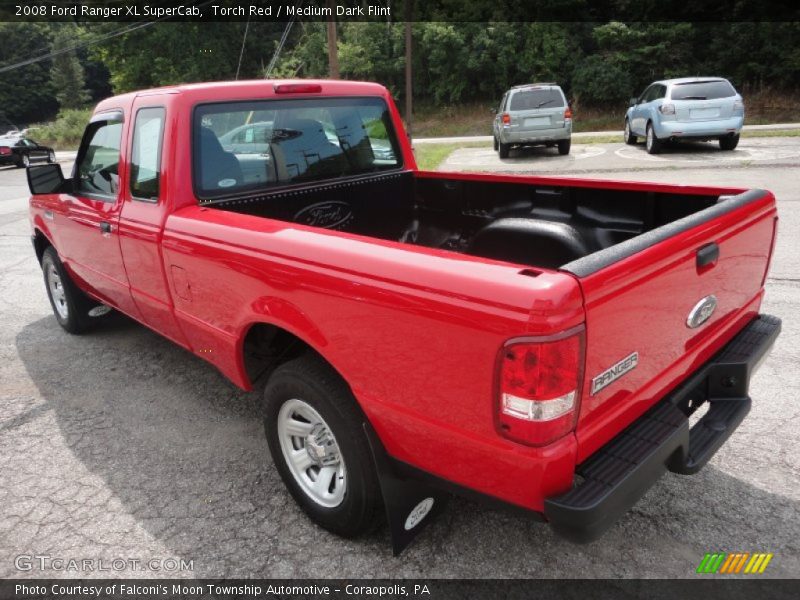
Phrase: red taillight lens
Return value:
(506, 118)
(568, 113)
(298, 88)
(5, 151)
(539, 388)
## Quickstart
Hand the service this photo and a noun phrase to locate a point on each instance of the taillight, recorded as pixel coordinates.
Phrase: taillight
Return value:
(568, 113)
(506, 119)
(667, 109)
(539, 387)
(5, 150)
(738, 105)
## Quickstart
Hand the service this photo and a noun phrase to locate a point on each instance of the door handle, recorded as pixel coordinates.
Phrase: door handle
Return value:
(707, 255)
(105, 227)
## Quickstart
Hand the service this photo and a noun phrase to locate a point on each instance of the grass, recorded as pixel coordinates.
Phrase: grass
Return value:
(65, 132)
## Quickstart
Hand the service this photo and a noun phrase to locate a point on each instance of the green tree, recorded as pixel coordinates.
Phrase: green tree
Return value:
(66, 73)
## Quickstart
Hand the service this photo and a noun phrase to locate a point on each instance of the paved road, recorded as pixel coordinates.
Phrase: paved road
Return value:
(120, 445)
(582, 134)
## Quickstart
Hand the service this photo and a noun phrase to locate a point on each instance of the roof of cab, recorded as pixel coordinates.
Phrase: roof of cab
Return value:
(227, 90)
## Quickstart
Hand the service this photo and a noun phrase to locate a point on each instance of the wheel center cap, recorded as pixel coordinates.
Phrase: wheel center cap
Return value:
(321, 446)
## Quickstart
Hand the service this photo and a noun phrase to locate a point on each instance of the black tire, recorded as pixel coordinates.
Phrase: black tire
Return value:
(653, 144)
(628, 136)
(24, 161)
(564, 146)
(503, 149)
(729, 142)
(75, 305)
(315, 383)
(495, 143)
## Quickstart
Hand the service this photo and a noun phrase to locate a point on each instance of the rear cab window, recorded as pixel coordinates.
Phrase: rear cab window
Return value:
(148, 132)
(259, 145)
(532, 99)
(703, 90)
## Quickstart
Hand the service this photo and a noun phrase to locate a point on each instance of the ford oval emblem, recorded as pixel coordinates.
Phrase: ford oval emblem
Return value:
(331, 214)
(702, 311)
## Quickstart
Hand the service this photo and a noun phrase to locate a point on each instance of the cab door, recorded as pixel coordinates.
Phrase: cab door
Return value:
(147, 202)
(88, 219)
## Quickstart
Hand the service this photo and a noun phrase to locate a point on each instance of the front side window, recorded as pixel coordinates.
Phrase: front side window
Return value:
(253, 146)
(146, 153)
(98, 164)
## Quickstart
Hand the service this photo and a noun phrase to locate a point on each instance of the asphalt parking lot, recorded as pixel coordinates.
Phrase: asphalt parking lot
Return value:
(120, 445)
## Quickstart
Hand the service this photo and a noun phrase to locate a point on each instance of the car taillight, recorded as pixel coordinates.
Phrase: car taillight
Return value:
(738, 105)
(506, 118)
(667, 109)
(5, 150)
(568, 113)
(539, 387)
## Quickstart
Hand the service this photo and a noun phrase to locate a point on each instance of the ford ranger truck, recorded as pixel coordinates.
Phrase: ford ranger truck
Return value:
(538, 341)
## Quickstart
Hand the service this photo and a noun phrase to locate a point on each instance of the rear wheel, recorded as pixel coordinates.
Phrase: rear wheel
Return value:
(729, 142)
(564, 146)
(24, 161)
(628, 136)
(70, 305)
(503, 149)
(315, 433)
(653, 143)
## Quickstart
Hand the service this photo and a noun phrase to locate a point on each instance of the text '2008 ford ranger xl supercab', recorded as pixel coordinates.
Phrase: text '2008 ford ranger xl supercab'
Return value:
(541, 342)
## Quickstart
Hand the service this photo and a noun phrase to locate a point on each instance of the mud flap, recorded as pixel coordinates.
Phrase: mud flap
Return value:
(410, 504)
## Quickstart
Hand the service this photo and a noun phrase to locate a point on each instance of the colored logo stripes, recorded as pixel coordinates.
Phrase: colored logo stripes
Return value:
(735, 562)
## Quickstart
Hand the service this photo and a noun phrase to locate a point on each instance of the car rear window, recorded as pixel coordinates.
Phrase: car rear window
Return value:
(703, 90)
(537, 98)
(295, 141)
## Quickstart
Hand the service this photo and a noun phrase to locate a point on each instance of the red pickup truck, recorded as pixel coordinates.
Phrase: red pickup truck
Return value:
(541, 342)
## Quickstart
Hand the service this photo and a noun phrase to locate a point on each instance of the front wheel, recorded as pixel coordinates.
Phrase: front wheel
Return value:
(51, 157)
(70, 304)
(628, 136)
(24, 161)
(315, 433)
(729, 142)
(653, 143)
(564, 146)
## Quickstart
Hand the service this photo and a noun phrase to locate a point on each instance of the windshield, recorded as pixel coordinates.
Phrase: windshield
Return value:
(703, 90)
(250, 146)
(537, 98)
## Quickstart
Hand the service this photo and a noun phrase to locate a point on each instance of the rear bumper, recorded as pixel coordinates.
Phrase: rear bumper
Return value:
(535, 136)
(699, 129)
(618, 474)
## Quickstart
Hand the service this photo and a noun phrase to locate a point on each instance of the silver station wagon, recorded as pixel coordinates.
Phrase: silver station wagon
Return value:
(534, 114)
(692, 108)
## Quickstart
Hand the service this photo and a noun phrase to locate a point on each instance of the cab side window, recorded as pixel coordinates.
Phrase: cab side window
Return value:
(148, 133)
(98, 164)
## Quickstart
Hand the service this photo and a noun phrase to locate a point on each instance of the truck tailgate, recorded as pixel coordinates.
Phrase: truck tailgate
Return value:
(650, 315)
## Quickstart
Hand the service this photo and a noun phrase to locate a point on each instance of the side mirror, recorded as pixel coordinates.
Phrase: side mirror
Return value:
(46, 179)
(633, 102)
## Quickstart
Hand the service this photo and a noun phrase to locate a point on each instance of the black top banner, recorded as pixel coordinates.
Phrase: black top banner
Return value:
(398, 10)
